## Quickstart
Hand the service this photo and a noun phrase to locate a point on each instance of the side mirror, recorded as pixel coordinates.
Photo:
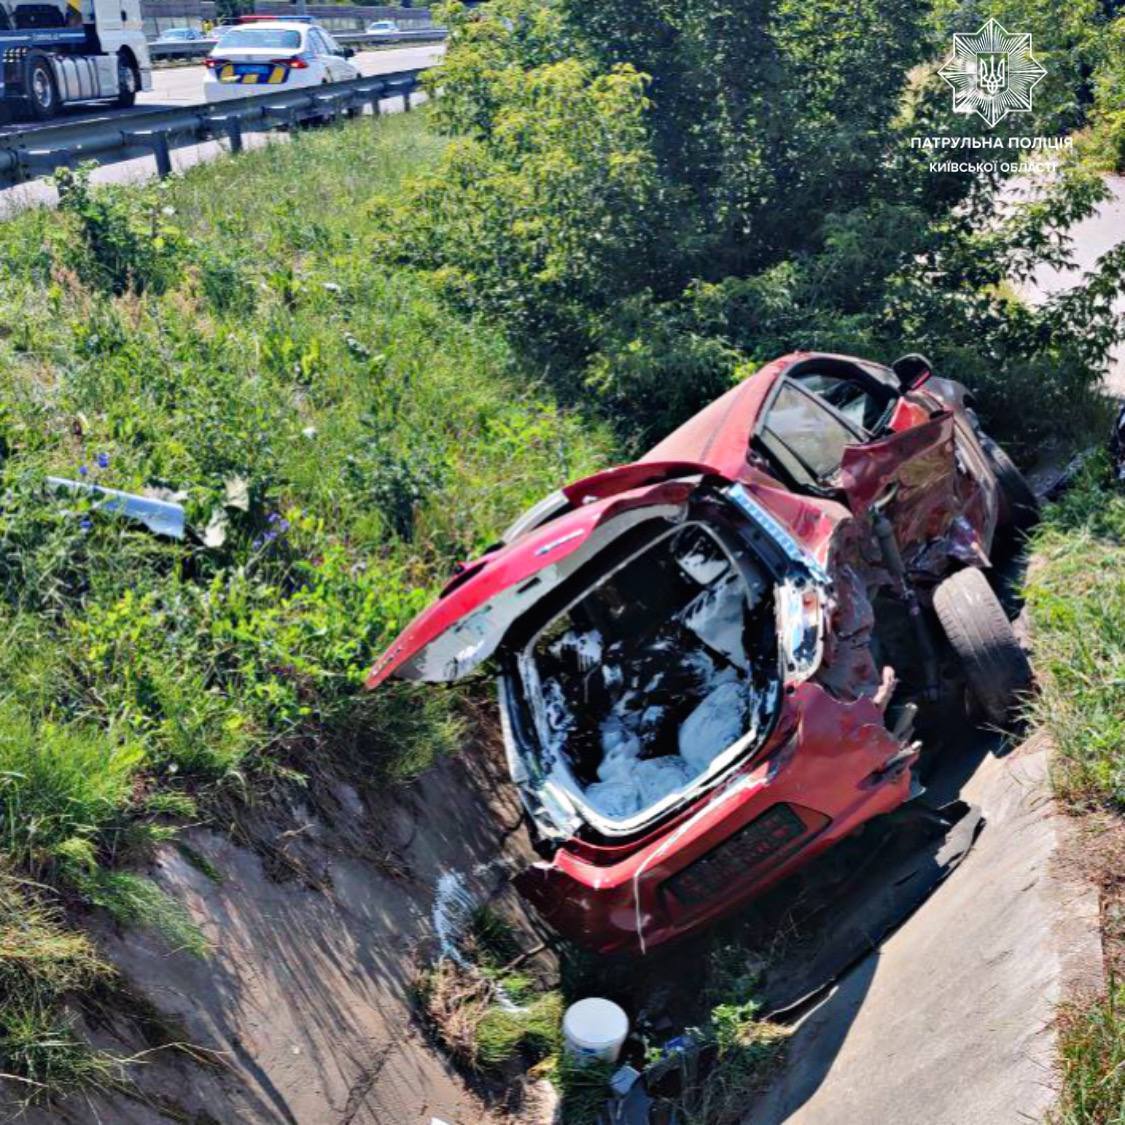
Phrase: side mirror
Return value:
(347, 52)
(912, 370)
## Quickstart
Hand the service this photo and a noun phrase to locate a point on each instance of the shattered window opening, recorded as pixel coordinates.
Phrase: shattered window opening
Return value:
(811, 434)
(655, 677)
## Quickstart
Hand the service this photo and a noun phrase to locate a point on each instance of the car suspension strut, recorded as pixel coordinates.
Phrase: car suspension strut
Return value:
(892, 560)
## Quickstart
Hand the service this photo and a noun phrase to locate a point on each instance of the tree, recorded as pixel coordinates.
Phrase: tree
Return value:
(652, 198)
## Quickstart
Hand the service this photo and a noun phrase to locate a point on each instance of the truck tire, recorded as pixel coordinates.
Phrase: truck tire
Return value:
(973, 620)
(128, 82)
(1021, 502)
(40, 91)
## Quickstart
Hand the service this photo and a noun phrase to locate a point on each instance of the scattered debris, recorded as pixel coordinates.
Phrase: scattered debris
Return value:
(161, 517)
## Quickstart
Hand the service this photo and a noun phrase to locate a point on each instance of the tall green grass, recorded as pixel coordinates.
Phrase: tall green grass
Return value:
(338, 441)
(1076, 595)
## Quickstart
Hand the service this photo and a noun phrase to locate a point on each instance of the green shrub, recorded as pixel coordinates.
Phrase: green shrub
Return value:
(126, 239)
(643, 212)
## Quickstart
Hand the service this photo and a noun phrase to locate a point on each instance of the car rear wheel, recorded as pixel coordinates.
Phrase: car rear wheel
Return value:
(979, 632)
(1021, 502)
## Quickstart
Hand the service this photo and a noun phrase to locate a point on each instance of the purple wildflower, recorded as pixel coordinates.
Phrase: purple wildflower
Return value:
(83, 470)
(103, 460)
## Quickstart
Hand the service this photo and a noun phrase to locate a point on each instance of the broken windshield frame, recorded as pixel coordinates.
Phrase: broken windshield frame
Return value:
(781, 451)
(553, 783)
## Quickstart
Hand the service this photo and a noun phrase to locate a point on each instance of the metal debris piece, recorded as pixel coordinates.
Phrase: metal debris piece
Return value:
(623, 1079)
(159, 516)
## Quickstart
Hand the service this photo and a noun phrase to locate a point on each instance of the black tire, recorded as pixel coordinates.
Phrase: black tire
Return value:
(973, 619)
(1021, 503)
(40, 91)
(128, 83)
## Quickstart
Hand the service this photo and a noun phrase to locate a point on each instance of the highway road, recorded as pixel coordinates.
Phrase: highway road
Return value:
(183, 85)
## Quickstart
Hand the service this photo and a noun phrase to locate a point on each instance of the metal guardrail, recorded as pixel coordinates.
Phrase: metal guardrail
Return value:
(198, 48)
(40, 149)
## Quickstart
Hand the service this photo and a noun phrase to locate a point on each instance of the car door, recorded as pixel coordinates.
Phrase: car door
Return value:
(318, 48)
(336, 63)
(818, 433)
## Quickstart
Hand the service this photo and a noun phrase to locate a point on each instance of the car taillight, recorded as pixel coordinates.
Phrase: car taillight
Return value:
(294, 63)
(211, 64)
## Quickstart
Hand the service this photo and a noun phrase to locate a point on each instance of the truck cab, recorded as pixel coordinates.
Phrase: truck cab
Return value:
(59, 52)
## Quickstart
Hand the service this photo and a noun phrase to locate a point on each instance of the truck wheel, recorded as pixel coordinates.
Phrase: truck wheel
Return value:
(128, 82)
(39, 87)
(1021, 502)
(981, 635)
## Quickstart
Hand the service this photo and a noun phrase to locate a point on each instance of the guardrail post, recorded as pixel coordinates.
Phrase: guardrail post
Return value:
(158, 143)
(234, 133)
(163, 155)
(406, 106)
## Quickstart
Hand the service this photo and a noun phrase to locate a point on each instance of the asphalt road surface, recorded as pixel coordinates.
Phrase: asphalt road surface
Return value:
(183, 85)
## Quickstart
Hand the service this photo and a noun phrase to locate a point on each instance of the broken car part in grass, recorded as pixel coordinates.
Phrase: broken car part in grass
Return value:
(711, 659)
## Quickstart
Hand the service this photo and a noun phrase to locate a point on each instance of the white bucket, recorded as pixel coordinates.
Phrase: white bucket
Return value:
(595, 1029)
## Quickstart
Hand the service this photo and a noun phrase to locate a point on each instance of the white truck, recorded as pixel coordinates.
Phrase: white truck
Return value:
(57, 52)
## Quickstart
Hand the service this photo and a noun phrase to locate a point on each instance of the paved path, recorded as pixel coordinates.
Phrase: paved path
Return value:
(951, 1021)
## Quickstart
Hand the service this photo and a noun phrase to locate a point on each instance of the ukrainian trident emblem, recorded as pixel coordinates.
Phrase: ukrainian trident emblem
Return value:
(992, 73)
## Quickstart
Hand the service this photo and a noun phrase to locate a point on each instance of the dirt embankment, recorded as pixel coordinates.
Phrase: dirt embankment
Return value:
(303, 1014)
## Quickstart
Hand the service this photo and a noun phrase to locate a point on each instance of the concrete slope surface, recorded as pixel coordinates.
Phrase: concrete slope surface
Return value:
(303, 1009)
(951, 1022)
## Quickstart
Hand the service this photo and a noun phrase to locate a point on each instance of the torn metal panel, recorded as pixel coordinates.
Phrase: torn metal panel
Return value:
(160, 516)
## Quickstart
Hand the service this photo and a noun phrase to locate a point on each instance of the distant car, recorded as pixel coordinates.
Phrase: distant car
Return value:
(710, 660)
(385, 29)
(261, 57)
(181, 35)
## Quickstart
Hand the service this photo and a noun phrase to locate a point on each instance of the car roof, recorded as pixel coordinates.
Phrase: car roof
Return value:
(274, 25)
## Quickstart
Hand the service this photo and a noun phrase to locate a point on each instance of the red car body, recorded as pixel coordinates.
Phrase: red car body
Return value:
(822, 758)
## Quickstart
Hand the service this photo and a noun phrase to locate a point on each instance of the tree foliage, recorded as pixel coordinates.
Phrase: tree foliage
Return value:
(653, 198)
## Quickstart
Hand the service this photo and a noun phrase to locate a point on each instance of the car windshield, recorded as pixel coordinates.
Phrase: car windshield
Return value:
(811, 434)
(261, 37)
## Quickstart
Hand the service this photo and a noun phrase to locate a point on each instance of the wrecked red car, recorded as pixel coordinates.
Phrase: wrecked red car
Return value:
(710, 660)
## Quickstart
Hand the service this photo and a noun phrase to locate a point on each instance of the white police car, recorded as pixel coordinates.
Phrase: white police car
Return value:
(263, 56)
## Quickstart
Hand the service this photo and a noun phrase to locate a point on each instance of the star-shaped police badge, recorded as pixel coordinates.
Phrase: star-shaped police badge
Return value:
(992, 73)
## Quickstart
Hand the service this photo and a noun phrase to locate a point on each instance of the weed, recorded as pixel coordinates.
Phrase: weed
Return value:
(1076, 595)
(227, 338)
(42, 963)
(1092, 1056)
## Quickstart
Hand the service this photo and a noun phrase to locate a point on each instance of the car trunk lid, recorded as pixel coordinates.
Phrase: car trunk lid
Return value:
(474, 612)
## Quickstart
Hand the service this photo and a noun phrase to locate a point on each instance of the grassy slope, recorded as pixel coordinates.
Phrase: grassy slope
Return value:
(1077, 601)
(226, 337)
